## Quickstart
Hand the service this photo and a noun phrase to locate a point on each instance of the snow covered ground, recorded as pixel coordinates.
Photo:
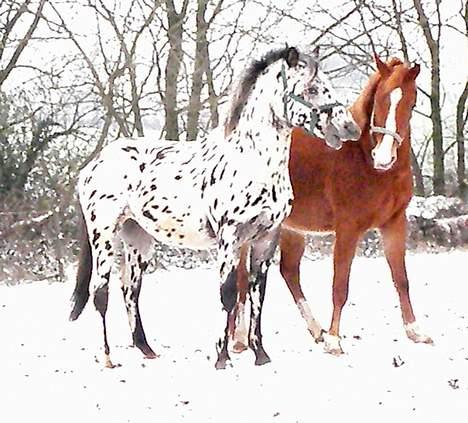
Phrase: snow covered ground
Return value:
(49, 369)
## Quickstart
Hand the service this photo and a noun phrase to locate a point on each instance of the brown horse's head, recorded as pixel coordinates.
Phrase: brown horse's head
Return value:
(394, 98)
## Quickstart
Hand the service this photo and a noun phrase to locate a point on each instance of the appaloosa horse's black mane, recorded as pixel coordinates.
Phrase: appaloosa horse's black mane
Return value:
(248, 81)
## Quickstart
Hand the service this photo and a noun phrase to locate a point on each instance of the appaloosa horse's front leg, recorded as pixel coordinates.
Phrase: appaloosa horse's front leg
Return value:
(228, 257)
(292, 249)
(228, 299)
(394, 237)
(262, 252)
(343, 254)
(257, 288)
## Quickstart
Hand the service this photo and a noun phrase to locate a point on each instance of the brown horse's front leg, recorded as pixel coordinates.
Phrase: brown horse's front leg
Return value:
(292, 250)
(343, 254)
(394, 237)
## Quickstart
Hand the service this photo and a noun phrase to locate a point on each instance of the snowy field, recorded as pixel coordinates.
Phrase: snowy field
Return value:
(51, 369)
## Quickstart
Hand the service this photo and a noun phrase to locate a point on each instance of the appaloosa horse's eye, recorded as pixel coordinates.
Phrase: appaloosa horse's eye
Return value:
(312, 91)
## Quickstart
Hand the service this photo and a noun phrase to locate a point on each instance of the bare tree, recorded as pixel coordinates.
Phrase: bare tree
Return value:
(175, 33)
(201, 67)
(115, 76)
(461, 120)
(432, 35)
(12, 14)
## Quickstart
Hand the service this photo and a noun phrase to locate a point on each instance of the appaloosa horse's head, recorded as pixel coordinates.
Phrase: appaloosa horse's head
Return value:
(310, 101)
(394, 99)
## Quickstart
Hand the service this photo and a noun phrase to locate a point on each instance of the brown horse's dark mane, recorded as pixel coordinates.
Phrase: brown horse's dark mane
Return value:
(240, 97)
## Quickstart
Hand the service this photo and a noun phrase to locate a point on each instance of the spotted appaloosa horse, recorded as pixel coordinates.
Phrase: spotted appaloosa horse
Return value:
(226, 191)
(365, 185)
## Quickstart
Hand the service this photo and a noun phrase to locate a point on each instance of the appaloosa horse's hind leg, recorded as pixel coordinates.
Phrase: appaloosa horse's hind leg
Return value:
(102, 246)
(394, 237)
(138, 249)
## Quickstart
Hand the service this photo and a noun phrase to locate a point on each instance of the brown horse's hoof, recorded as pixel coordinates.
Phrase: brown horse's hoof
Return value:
(239, 347)
(332, 344)
(414, 333)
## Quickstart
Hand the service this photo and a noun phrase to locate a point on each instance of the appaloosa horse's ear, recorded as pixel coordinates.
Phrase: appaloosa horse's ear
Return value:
(316, 53)
(292, 57)
(413, 72)
(382, 67)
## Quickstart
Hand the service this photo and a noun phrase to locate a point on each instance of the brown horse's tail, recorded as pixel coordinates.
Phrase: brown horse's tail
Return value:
(85, 267)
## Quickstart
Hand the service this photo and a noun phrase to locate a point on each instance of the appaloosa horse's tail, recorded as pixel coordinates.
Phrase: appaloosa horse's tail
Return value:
(85, 266)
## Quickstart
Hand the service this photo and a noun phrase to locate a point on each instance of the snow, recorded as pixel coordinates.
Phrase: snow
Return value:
(49, 369)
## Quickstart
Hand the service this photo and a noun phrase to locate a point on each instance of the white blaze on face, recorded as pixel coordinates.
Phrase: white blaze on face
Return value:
(383, 153)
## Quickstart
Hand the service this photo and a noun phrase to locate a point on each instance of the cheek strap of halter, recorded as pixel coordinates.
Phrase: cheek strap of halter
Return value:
(315, 111)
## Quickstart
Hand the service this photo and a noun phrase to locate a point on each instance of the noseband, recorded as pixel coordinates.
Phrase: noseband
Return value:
(385, 131)
(315, 111)
(381, 130)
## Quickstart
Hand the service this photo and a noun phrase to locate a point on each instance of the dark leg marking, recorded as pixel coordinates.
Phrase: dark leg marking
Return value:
(228, 298)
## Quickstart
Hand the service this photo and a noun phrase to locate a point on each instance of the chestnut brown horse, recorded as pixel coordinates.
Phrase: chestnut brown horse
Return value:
(367, 184)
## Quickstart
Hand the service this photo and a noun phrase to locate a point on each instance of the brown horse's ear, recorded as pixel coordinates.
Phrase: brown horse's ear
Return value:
(292, 57)
(413, 72)
(381, 66)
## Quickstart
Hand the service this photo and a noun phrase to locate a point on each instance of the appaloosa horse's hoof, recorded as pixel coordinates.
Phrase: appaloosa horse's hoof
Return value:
(222, 362)
(319, 339)
(261, 358)
(414, 333)
(147, 351)
(332, 344)
(151, 355)
(108, 364)
(223, 355)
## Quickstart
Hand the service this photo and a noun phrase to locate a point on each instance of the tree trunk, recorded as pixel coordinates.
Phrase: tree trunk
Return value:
(460, 137)
(212, 96)
(437, 135)
(417, 175)
(197, 75)
(175, 32)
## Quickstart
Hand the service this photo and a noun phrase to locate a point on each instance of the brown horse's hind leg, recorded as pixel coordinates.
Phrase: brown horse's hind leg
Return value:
(343, 254)
(292, 249)
(237, 326)
(394, 237)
